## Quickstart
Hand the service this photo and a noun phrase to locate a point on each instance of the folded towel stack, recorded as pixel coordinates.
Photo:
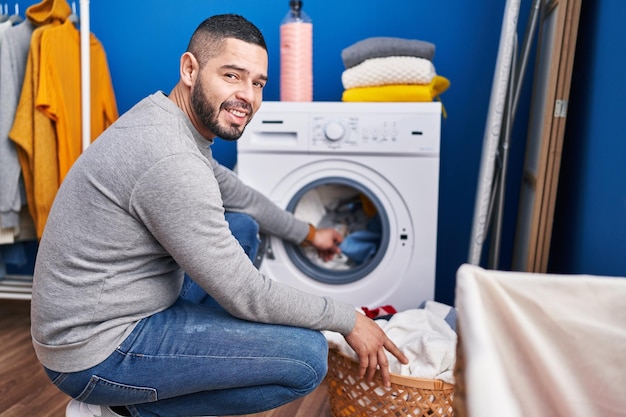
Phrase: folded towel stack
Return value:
(391, 69)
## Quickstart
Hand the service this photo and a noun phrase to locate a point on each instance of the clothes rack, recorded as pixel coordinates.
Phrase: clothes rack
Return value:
(19, 287)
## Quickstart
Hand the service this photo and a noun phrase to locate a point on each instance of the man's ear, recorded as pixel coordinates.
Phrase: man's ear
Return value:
(189, 68)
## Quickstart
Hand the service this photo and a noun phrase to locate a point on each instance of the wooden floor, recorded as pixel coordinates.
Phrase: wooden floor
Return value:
(26, 391)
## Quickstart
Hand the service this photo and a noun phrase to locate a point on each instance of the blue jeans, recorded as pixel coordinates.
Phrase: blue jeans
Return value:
(195, 359)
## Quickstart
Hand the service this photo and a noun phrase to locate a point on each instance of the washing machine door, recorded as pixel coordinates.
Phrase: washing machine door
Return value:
(378, 248)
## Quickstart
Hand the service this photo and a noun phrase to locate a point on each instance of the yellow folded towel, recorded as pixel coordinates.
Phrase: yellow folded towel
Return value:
(398, 92)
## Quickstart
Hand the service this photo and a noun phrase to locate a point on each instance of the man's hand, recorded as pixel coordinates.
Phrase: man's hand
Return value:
(369, 342)
(327, 241)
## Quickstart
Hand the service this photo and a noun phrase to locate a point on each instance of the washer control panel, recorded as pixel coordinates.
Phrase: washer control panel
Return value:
(338, 127)
(394, 132)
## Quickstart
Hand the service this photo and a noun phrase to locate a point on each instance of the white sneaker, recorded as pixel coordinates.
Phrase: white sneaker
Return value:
(79, 409)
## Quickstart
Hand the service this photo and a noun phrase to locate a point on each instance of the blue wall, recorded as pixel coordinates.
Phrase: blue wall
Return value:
(590, 222)
(144, 40)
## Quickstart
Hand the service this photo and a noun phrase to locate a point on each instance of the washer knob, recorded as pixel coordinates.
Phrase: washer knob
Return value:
(334, 131)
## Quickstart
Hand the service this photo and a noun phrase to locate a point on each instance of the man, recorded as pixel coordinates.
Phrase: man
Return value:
(145, 202)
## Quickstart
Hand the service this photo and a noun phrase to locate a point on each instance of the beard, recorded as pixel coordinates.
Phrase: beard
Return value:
(208, 114)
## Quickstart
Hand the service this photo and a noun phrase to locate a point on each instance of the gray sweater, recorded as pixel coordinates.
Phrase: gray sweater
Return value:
(143, 203)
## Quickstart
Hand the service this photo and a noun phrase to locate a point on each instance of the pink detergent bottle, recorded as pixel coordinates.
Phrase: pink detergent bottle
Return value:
(296, 55)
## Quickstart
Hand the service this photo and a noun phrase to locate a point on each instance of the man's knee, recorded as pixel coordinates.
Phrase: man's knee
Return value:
(313, 353)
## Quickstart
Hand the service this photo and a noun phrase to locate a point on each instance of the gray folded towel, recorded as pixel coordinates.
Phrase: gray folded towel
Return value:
(381, 47)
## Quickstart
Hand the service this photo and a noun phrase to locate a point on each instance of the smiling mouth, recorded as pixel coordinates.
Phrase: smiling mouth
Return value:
(237, 112)
(237, 109)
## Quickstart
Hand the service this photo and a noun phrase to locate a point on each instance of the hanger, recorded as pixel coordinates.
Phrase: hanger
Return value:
(5, 15)
(16, 18)
(74, 16)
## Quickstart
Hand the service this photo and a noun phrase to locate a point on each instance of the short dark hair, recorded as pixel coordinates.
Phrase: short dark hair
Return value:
(208, 38)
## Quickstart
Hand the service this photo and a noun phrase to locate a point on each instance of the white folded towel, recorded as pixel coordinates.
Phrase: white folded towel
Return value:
(389, 70)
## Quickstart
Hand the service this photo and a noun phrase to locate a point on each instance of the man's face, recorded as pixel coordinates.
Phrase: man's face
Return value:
(229, 89)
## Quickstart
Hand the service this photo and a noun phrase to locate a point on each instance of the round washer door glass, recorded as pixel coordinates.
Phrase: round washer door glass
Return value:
(358, 215)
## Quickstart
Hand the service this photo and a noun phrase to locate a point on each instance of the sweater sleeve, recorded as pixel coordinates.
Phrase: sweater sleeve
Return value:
(272, 219)
(179, 201)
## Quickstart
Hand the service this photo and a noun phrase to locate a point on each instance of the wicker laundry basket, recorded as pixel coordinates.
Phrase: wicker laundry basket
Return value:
(351, 396)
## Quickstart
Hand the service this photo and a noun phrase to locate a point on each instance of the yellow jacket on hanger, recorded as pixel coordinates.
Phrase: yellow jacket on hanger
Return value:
(59, 96)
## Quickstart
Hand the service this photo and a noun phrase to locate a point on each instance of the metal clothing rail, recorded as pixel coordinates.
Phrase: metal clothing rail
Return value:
(85, 73)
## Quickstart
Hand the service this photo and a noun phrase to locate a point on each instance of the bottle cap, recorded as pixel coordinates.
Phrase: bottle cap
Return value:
(295, 4)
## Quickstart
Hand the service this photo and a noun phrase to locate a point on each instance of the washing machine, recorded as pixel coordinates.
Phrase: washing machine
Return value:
(371, 170)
